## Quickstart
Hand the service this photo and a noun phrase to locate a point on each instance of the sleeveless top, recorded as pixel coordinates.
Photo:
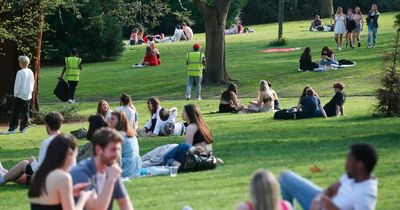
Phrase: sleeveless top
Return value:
(198, 138)
(283, 205)
(35, 206)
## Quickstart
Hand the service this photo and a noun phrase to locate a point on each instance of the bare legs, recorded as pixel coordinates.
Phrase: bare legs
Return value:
(339, 41)
(349, 39)
(356, 36)
(17, 173)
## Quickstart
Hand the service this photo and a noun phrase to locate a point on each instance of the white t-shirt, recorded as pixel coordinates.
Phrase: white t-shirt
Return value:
(177, 35)
(42, 153)
(100, 181)
(24, 82)
(160, 124)
(356, 195)
(129, 112)
(108, 115)
(154, 116)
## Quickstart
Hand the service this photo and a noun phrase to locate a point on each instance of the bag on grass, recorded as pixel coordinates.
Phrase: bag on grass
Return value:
(80, 133)
(62, 90)
(198, 162)
(284, 114)
(346, 62)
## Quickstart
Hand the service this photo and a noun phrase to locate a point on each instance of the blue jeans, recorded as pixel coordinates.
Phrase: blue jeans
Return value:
(189, 84)
(372, 31)
(177, 154)
(296, 187)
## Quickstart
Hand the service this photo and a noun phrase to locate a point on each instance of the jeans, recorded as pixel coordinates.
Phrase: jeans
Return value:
(296, 187)
(177, 154)
(19, 106)
(72, 89)
(189, 84)
(372, 31)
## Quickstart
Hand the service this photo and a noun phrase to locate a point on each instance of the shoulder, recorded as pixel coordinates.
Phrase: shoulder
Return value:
(191, 128)
(60, 176)
(81, 171)
(47, 141)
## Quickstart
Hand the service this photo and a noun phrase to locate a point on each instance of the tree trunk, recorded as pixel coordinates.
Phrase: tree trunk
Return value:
(281, 11)
(326, 9)
(214, 15)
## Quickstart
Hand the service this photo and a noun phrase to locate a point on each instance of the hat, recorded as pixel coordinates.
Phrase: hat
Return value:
(196, 46)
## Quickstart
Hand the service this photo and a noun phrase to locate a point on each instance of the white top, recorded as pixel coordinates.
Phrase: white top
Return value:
(108, 114)
(42, 153)
(129, 112)
(160, 124)
(356, 195)
(177, 35)
(24, 82)
(154, 116)
(100, 181)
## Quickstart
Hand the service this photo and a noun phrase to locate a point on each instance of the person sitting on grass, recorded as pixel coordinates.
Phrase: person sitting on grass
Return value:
(164, 116)
(306, 63)
(198, 135)
(335, 106)
(130, 157)
(276, 101)
(229, 102)
(156, 51)
(150, 59)
(103, 172)
(133, 39)
(265, 102)
(127, 107)
(51, 186)
(309, 105)
(154, 107)
(265, 193)
(327, 57)
(23, 171)
(23, 88)
(187, 31)
(103, 109)
(316, 24)
(357, 189)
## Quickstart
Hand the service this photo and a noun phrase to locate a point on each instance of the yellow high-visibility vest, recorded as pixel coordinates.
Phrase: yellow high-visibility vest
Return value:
(72, 68)
(195, 64)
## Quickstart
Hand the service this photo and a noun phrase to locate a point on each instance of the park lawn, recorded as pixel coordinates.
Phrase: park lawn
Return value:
(245, 63)
(245, 142)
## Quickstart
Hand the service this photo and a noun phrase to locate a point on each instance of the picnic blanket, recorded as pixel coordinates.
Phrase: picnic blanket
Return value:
(273, 50)
(333, 67)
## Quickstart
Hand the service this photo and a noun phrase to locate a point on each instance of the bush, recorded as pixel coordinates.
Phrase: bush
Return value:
(69, 112)
(279, 42)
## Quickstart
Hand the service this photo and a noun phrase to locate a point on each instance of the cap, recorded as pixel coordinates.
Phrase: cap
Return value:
(196, 46)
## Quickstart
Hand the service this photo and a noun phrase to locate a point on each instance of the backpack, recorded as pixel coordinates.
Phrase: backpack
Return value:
(346, 62)
(198, 162)
(62, 90)
(284, 114)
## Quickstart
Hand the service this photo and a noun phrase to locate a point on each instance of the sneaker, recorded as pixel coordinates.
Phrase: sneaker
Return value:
(347, 45)
(340, 49)
(374, 46)
(187, 98)
(71, 101)
(337, 47)
(198, 98)
(3, 171)
(23, 130)
(8, 132)
(359, 44)
(369, 46)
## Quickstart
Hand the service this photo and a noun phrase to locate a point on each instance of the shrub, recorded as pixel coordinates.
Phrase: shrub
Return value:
(69, 112)
(279, 42)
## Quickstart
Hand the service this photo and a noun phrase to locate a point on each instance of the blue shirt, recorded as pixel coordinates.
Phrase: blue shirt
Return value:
(85, 171)
(309, 105)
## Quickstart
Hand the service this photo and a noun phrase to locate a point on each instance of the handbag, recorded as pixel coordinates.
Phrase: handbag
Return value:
(198, 162)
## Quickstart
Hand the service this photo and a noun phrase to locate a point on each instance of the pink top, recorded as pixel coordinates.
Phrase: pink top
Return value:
(284, 205)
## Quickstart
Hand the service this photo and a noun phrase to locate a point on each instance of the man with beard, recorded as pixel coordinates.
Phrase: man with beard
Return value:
(357, 189)
(102, 172)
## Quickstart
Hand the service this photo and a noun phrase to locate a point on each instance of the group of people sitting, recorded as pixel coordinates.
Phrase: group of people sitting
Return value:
(152, 56)
(182, 32)
(327, 60)
(309, 104)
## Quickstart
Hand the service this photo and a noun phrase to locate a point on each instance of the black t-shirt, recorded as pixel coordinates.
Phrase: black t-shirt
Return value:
(338, 99)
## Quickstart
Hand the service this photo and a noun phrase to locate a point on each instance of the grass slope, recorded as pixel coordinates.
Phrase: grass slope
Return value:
(244, 142)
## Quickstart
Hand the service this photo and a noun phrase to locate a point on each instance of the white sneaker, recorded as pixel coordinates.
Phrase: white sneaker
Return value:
(71, 101)
(340, 49)
(8, 132)
(3, 171)
(199, 98)
(374, 46)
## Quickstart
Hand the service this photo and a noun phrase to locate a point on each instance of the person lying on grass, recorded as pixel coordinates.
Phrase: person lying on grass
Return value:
(229, 102)
(357, 189)
(265, 193)
(23, 171)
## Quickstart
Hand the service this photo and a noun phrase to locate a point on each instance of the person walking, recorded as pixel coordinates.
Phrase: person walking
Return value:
(195, 62)
(372, 22)
(23, 88)
(72, 68)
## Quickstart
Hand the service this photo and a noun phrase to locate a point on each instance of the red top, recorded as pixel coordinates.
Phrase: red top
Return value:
(151, 59)
(284, 205)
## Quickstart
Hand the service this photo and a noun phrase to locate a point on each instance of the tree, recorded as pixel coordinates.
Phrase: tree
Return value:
(281, 16)
(326, 9)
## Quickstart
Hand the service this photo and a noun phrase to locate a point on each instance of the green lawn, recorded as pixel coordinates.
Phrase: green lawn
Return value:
(245, 142)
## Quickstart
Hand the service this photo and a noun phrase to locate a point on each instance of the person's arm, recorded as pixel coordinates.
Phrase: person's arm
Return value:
(80, 65)
(321, 108)
(66, 194)
(235, 101)
(341, 110)
(17, 84)
(125, 203)
(103, 200)
(337, 110)
(327, 204)
(190, 131)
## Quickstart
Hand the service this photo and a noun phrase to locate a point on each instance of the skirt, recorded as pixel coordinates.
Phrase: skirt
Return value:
(340, 28)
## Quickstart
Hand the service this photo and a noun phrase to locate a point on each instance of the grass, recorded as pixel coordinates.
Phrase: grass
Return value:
(244, 142)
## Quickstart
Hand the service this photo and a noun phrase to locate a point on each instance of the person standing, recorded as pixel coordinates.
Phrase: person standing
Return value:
(372, 22)
(195, 62)
(340, 27)
(23, 88)
(72, 68)
(359, 20)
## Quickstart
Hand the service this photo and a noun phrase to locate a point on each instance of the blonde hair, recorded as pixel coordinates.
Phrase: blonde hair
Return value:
(23, 60)
(264, 85)
(265, 191)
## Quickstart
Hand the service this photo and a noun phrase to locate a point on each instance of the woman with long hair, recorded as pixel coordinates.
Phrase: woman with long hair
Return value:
(306, 63)
(198, 135)
(103, 109)
(265, 102)
(229, 102)
(154, 107)
(359, 22)
(309, 105)
(372, 22)
(130, 157)
(126, 106)
(51, 187)
(339, 27)
(350, 28)
(327, 57)
(265, 193)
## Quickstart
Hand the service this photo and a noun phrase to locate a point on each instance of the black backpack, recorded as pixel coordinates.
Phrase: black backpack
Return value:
(62, 90)
(198, 162)
(284, 114)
